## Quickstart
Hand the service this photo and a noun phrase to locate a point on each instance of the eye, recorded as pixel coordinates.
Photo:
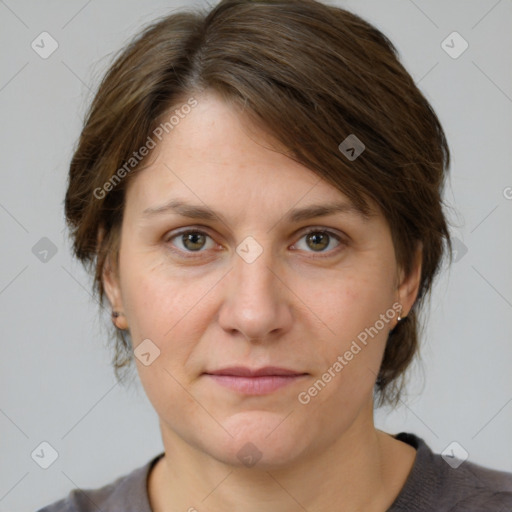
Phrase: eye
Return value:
(191, 240)
(194, 241)
(318, 239)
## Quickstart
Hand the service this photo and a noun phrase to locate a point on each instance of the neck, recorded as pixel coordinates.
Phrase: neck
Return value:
(363, 470)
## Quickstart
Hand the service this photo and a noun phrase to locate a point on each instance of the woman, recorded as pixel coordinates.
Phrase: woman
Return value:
(218, 151)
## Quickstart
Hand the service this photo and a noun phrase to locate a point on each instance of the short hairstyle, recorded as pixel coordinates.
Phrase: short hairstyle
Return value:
(309, 74)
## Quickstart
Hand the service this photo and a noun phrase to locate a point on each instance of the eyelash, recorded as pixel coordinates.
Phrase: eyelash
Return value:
(327, 254)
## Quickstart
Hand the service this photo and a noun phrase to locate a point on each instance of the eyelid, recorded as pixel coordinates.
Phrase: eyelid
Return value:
(323, 229)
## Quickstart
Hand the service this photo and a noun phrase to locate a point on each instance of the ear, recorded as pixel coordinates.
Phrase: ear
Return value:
(408, 286)
(112, 287)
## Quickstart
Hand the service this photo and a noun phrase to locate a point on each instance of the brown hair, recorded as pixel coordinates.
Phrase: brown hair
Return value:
(311, 75)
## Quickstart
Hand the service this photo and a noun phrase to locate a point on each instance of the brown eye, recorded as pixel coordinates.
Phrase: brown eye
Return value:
(190, 241)
(318, 240)
(193, 240)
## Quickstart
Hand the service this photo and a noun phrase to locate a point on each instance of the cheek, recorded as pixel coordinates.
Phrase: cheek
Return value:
(150, 296)
(348, 308)
(348, 301)
(149, 301)
(168, 306)
(161, 309)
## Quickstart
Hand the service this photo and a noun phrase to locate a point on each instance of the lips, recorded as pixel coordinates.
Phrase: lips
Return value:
(261, 381)
(242, 371)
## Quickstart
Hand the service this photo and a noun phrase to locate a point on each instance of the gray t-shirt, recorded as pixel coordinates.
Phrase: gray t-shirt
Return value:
(432, 486)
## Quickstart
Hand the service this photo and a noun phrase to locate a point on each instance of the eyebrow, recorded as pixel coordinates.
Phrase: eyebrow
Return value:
(296, 215)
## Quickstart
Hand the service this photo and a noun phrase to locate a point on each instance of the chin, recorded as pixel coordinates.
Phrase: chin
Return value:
(261, 440)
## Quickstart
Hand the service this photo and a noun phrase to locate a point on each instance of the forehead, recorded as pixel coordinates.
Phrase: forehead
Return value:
(216, 156)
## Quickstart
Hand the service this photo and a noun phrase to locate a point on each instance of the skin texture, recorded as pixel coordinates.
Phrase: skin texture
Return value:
(298, 305)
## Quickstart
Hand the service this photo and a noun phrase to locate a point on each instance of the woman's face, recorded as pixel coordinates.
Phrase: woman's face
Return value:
(250, 288)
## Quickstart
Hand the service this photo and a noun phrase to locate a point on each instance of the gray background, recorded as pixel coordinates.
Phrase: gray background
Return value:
(56, 383)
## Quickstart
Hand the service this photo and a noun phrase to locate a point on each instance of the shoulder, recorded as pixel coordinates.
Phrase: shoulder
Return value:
(480, 488)
(127, 493)
(435, 484)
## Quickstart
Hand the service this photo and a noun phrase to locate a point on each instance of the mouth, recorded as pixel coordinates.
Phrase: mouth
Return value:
(255, 381)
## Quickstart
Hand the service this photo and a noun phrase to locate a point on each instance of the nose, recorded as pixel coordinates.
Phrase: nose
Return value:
(257, 300)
